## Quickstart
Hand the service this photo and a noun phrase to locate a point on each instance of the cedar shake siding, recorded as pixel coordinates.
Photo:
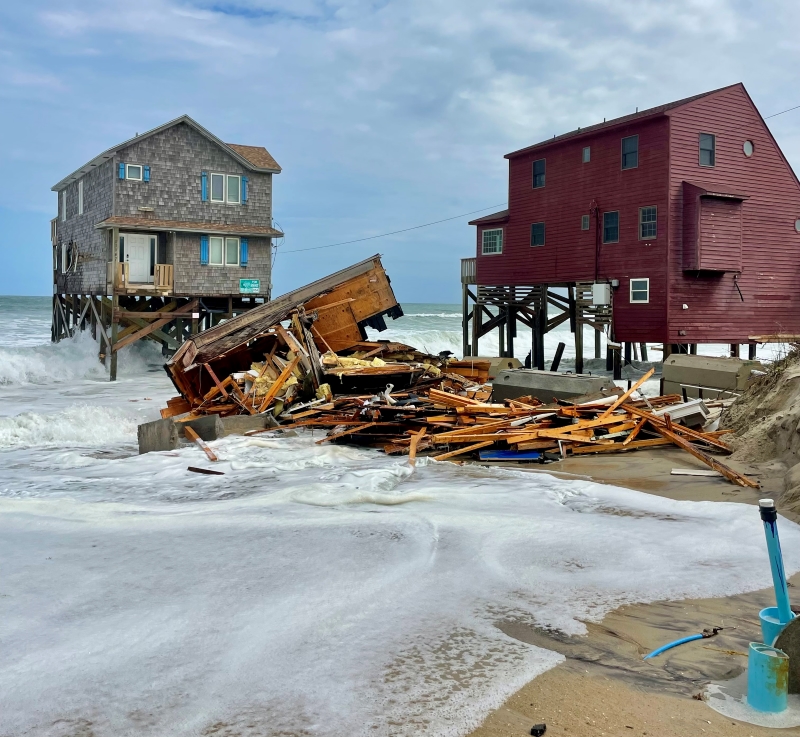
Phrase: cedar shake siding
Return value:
(720, 229)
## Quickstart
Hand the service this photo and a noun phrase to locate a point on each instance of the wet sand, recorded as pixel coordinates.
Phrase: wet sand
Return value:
(604, 687)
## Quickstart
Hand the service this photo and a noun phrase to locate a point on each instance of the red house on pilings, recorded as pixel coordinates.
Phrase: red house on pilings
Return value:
(677, 225)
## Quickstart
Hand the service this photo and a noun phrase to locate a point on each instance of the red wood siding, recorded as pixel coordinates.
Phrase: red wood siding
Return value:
(569, 252)
(720, 243)
(770, 247)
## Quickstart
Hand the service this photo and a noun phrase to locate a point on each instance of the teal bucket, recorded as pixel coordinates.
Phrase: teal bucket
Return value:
(767, 678)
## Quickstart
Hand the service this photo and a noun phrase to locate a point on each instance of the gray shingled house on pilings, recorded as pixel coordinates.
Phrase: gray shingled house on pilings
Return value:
(160, 237)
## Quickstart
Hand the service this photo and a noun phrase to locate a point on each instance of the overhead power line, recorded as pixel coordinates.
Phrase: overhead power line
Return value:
(796, 107)
(395, 232)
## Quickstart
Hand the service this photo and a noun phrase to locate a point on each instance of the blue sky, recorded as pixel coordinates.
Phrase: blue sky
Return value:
(383, 115)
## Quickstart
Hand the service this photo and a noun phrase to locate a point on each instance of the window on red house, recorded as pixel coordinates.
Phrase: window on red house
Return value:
(648, 223)
(611, 227)
(538, 173)
(630, 152)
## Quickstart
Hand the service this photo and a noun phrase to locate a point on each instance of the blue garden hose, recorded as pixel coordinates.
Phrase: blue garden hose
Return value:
(704, 634)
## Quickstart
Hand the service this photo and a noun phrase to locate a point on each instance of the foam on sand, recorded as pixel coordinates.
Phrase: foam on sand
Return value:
(322, 589)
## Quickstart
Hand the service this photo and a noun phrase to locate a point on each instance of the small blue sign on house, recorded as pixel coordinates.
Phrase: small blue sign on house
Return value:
(249, 286)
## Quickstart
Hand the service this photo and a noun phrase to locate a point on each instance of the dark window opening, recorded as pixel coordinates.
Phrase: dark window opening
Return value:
(610, 227)
(538, 173)
(708, 149)
(537, 234)
(630, 152)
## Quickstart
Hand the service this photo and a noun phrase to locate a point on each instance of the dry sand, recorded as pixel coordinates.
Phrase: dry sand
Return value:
(604, 687)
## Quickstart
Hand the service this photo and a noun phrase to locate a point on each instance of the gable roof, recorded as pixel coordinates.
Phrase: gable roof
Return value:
(255, 158)
(649, 113)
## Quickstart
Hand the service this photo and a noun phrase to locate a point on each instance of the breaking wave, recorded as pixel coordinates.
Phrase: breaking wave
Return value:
(79, 424)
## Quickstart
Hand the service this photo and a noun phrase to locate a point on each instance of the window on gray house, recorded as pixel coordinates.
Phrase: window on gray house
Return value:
(133, 171)
(537, 234)
(708, 149)
(648, 223)
(538, 173)
(217, 188)
(611, 227)
(630, 152)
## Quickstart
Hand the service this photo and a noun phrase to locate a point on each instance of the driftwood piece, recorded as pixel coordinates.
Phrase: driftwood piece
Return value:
(192, 435)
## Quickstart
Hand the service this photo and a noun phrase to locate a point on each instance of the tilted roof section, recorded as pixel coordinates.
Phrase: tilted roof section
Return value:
(255, 158)
(495, 217)
(649, 113)
(183, 226)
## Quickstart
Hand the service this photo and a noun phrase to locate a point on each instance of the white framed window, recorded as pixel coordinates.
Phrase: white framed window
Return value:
(223, 251)
(587, 154)
(80, 197)
(63, 205)
(492, 241)
(648, 223)
(640, 291)
(584, 222)
(133, 171)
(226, 188)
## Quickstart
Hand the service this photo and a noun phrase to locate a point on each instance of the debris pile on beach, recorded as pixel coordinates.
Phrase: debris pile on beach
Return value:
(448, 416)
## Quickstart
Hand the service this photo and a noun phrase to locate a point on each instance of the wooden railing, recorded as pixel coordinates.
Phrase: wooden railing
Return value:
(163, 276)
(121, 275)
(468, 271)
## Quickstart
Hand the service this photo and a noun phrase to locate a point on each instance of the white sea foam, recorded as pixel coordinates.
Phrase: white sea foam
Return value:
(311, 589)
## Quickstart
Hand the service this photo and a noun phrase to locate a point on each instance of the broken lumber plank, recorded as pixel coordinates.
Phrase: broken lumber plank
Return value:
(733, 476)
(461, 451)
(176, 406)
(544, 444)
(655, 420)
(357, 428)
(636, 430)
(216, 381)
(272, 392)
(415, 438)
(694, 472)
(628, 393)
(214, 390)
(619, 447)
(192, 435)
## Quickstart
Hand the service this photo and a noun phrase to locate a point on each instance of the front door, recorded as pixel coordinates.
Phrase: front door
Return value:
(137, 256)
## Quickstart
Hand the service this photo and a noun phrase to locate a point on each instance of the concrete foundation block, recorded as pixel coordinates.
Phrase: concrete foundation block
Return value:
(240, 424)
(208, 428)
(546, 385)
(158, 435)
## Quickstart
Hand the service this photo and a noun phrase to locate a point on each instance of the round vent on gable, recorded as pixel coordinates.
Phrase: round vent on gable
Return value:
(748, 148)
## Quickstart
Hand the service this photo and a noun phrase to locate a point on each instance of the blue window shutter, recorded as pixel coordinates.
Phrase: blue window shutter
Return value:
(244, 190)
(204, 185)
(121, 170)
(204, 250)
(243, 252)
(146, 173)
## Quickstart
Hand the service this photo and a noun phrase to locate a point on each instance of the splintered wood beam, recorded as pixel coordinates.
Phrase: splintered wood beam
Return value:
(349, 431)
(214, 378)
(619, 447)
(732, 476)
(192, 435)
(708, 438)
(461, 451)
(627, 394)
(636, 430)
(415, 438)
(272, 392)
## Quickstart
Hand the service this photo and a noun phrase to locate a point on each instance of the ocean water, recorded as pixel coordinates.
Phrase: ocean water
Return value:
(311, 590)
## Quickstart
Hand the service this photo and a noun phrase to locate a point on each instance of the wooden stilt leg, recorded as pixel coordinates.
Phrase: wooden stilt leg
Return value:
(635, 351)
(511, 329)
(578, 347)
(643, 348)
(751, 351)
(734, 350)
(597, 344)
(476, 326)
(627, 354)
(112, 372)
